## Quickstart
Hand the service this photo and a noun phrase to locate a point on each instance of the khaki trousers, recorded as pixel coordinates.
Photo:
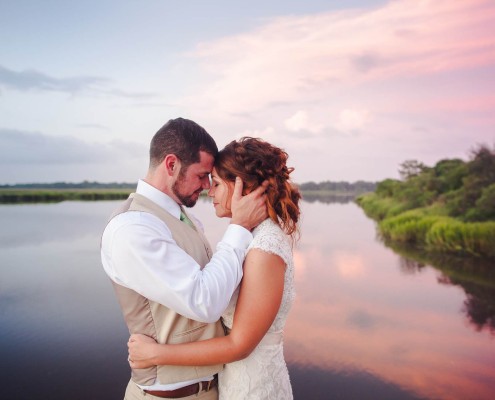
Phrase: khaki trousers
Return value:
(134, 392)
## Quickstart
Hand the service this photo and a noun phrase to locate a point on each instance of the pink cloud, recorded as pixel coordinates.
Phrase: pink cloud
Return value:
(304, 58)
(356, 91)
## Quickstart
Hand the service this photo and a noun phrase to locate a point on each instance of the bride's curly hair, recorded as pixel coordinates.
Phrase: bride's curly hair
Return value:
(254, 161)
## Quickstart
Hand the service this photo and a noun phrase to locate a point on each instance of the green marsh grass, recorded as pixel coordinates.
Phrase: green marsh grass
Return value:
(429, 228)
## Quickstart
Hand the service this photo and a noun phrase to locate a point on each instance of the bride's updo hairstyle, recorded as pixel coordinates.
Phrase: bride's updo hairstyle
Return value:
(254, 161)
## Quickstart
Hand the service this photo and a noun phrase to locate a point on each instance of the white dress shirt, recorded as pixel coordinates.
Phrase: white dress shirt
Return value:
(138, 252)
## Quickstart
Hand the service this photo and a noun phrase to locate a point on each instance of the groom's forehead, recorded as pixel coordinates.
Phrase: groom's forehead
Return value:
(204, 165)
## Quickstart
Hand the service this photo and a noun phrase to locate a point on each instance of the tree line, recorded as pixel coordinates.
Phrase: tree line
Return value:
(340, 186)
(466, 190)
(449, 207)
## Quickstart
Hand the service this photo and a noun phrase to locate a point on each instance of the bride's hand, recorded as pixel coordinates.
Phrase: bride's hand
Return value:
(141, 351)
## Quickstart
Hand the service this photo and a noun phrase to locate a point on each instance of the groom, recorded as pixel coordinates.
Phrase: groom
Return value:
(169, 284)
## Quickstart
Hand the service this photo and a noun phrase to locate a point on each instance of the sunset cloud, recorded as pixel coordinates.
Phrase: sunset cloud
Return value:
(26, 155)
(29, 80)
(17, 147)
(352, 120)
(309, 58)
(35, 80)
(300, 121)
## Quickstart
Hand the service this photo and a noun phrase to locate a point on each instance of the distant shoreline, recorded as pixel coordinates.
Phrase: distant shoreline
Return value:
(94, 191)
(54, 195)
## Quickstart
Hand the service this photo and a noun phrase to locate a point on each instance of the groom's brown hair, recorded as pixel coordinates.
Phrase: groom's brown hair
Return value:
(185, 139)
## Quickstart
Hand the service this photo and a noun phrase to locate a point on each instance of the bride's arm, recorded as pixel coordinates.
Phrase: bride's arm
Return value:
(259, 300)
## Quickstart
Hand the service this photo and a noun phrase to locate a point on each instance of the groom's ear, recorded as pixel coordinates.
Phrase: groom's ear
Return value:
(172, 164)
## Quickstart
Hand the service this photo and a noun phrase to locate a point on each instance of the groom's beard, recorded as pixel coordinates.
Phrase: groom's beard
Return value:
(189, 200)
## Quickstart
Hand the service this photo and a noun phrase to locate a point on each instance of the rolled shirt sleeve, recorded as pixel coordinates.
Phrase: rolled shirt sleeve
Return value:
(138, 252)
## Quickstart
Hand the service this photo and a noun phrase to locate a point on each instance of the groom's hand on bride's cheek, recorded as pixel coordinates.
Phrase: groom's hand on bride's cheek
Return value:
(249, 210)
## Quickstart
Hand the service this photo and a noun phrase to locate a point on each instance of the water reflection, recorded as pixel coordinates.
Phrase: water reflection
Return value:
(358, 311)
(25, 225)
(328, 198)
(369, 321)
(320, 383)
(475, 276)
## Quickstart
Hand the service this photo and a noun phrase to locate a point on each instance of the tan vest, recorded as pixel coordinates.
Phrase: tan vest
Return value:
(161, 323)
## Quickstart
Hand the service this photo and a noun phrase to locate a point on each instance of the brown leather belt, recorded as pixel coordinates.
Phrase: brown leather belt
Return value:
(184, 391)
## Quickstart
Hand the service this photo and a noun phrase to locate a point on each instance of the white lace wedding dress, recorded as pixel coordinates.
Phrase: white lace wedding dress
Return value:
(263, 374)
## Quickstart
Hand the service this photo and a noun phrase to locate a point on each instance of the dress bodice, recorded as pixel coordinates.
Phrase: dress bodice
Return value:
(269, 237)
(263, 375)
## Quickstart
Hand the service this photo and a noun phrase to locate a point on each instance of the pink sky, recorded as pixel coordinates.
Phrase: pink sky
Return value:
(359, 91)
(350, 93)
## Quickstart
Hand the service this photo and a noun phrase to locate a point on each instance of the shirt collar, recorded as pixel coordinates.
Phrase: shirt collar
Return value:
(158, 197)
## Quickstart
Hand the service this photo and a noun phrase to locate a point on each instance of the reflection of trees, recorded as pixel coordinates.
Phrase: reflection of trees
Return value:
(475, 276)
(312, 382)
(481, 310)
(479, 305)
(409, 266)
(328, 198)
(312, 197)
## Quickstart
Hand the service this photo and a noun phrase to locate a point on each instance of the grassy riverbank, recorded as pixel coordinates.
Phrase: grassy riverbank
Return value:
(449, 208)
(429, 228)
(13, 196)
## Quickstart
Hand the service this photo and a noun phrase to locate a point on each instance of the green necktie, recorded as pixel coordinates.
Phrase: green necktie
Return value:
(184, 218)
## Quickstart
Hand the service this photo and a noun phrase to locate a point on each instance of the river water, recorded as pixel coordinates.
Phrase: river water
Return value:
(368, 322)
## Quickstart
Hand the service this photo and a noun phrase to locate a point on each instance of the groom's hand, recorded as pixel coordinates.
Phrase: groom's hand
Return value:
(249, 210)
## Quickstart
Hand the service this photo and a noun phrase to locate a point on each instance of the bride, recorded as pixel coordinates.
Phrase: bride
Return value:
(255, 318)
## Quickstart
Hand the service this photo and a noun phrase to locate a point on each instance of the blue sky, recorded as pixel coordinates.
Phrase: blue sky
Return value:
(350, 89)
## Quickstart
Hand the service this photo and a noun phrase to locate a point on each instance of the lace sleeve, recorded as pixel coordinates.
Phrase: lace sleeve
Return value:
(270, 238)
